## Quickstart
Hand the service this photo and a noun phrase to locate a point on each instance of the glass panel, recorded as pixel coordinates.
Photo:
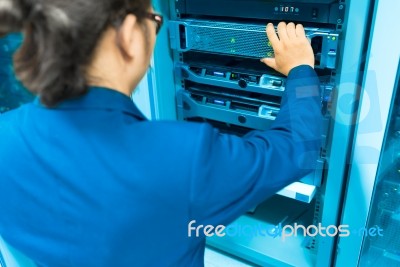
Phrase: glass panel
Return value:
(382, 245)
(12, 93)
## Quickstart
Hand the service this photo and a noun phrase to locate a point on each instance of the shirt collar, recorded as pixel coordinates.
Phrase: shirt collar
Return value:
(101, 98)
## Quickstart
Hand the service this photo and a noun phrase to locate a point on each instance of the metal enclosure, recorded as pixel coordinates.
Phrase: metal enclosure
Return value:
(206, 68)
(371, 206)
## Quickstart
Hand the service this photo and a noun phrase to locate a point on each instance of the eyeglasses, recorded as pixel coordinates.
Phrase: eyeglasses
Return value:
(157, 18)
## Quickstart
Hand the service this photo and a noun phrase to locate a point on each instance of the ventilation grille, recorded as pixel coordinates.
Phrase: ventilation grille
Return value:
(229, 38)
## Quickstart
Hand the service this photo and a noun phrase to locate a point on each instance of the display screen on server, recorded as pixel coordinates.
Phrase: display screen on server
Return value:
(326, 11)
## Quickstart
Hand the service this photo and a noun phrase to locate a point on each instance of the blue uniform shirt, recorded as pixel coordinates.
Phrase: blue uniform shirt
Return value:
(92, 183)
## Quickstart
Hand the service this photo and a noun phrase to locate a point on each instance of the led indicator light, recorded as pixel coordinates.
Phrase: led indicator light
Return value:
(219, 102)
(220, 74)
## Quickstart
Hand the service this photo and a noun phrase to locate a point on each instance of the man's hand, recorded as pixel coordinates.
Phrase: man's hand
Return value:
(291, 49)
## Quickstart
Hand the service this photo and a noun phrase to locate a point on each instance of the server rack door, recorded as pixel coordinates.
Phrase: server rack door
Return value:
(371, 207)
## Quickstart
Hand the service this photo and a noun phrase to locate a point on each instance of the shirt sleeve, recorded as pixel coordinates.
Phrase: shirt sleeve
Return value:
(233, 174)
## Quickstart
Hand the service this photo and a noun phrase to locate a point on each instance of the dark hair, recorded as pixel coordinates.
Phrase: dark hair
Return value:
(60, 37)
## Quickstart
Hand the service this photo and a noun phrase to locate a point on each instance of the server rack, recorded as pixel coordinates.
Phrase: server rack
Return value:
(225, 87)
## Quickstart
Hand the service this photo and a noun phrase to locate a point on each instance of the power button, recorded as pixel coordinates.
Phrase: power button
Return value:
(314, 13)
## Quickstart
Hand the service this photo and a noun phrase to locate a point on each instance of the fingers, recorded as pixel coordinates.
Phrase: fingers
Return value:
(270, 62)
(300, 31)
(285, 32)
(273, 38)
(291, 30)
(282, 31)
(289, 47)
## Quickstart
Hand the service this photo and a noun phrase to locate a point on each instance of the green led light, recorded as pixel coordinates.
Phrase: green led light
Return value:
(233, 41)
(333, 38)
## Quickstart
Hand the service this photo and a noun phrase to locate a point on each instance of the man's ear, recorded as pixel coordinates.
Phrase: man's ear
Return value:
(126, 36)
